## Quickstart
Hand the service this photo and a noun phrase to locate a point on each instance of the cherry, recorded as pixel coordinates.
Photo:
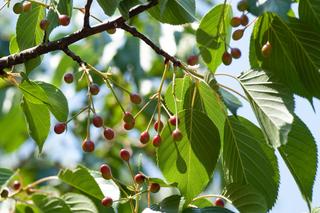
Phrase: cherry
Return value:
(88, 146)
(135, 98)
(112, 31)
(108, 133)
(16, 185)
(106, 171)
(192, 60)
(235, 22)
(107, 201)
(154, 187)
(97, 121)
(60, 128)
(177, 135)
(125, 154)
(17, 8)
(242, 5)
(157, 125)
(64, 20)
(219, 202)
(94, 89)
(238, 34)
(44, 23)
(4, 193)
(26, 6)
(173, 120)
(68, 78)
(129, 126)
(144, 137)
(139, 178)
(235, 53)
(226, 58)
(156, 140)
(266, 50)
(244, 20)
(128, 117)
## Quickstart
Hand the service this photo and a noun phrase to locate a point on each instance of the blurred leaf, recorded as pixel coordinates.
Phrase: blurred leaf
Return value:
(26, 208)
(5, 175)
(125, 6)
(212, 29)
(280, 7)
(213, 209)
(109, 7)
(202, 203)
(230, 100)
(316, 210)
(79, 203)
(271, 103)
(170, 204)
(309, 13)
(50, 204)
(65, 7)
(161, 182)
(245, 198)
(191, 161)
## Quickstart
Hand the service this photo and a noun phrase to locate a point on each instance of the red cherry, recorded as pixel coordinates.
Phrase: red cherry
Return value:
(156, 140)
(226, 58)
(192, 60)
(128, 126)
(235, 22)
(156, 125)
(97, 121)
(219, 202)
(16, 185)
(107, 201)
(173, 120)
(135, 98)
(60, 128)
(244, 20)
(26, 6)
(108, 133)
(128, 117)
(238, 34)
(68, 78)
(154, 187)
(64, 20)
(94, 89)
(235, 53)
(106, 171)
(44, 23)
(144, 137)
(177, 135)
(139, 178)
(88, 146)
(125, 154)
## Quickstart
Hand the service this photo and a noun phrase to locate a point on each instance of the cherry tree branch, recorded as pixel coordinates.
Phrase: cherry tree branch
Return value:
(75, 57)
(63, 43)
(86, 22)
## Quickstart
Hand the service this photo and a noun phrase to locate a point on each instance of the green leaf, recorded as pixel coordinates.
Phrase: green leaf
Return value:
(316, 210)
(174, 11)
(109, 7)
(191, 161)
(29, 33)
(309, 13)
(90, 182)
(169, 204)
(202, 203)
(26, 208)
(300, 155)
(50, 204)
(5, 175)
(230, 100)
(65, 7)
(57, 102)
(38, 120)
(247, 159)
(162, 183)
(271, 103)
(125, 6)
(280, 7)
(212, 28)
(33, 92)
(245, 198)
(212, 209)
(79, 203)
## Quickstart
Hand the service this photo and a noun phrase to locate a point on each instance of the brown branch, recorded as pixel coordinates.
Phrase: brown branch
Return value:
(133, 31)
(74, 57)
(33, 52)
(86, 21)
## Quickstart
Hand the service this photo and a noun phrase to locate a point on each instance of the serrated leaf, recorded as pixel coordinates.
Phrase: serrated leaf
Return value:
(38, 120)
(5, 175)
(32, 35)
(174, 11)
(271, 103)
(309, 13)
(213, 27)
(247, 159)
(90, 182)
(230, 100)
(300, 155)
(109, 7)
(57, 102)
(245, 198)
(280, 7)
(79, 203)
(212, 209)
(50, 204)
(191, 161)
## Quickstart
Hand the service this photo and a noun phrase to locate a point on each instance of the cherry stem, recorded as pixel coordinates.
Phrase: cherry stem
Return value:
(118, 183)
(83, 11)
(166, 67)
(78, 113)
(4, 5)
(174, 95)
(143, 108)
(114, 94)
(165, 109)
(149, 124)
(209, 196)
(118, 85)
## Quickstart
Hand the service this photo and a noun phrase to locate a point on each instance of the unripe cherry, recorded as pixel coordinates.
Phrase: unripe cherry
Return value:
(16, 185)
(97, 121)
(4, 193)
(238, 34)
(125, 155)
(192, 60)
(94, 89)
(108, 133)
(139, 178)
(226, 58)
(158, 124)
(18, 8)
(219, 202)
(242, 5)
(107, 201)
(68, 78)
(135, 98)
(144, 137)
(106, 171)
(88, 146)
(156, 140)
(235, 22)
(60, 128)
(64, 20)
(26, 6)
(235, 53)
(177, 135)
(266, 50)
(44, 23)
(111, 31)
(154, 187)
(244, 20)
(173, 120)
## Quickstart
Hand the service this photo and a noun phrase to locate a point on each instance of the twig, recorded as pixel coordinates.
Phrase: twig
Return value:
(86, 21)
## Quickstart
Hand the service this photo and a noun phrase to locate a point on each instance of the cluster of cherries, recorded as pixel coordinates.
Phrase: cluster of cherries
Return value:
(139, 178)
(15, 186)
(19, 8)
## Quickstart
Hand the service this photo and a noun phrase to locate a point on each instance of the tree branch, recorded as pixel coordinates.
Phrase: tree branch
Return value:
(25, 55)
(86, 22)
(133, 31)
(75, 57)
